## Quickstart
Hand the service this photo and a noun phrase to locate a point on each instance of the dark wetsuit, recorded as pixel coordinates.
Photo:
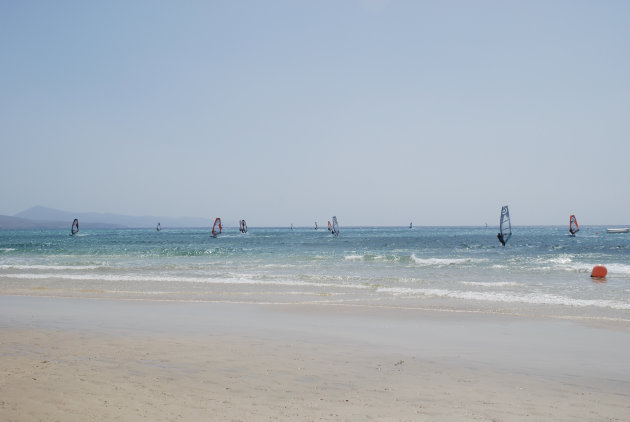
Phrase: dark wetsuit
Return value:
(500, 237)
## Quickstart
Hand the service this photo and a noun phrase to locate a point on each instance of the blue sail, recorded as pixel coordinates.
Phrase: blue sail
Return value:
(75, 227)
(505, 227)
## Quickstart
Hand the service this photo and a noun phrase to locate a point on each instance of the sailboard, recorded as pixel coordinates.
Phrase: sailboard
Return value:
(216, 227)
(411, 225)
(573, 225)
(316, 225)
(505, 226)
(159, 227)
(75, 227)
(329, 226)
(335, 227)
(242, 226)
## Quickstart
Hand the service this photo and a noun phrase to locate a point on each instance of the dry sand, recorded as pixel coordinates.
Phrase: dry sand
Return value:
(84, 360)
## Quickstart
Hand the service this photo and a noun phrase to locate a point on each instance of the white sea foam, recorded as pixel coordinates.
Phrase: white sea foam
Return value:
(533, 298)
(560, 260)
(616, 269)
(7, 249)
(277, 265)
(444, 261)
(490, 283)
(583, 267)
(370, 257)
(227, 279)
(47, 267)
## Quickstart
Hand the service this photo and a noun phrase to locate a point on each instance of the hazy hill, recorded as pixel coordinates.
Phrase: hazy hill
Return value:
(15, 223)
(88, 219)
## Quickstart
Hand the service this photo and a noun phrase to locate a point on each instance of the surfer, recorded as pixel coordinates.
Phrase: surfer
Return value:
(500, 237)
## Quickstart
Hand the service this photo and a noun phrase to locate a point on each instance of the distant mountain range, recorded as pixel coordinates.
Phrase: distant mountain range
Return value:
(48, 218)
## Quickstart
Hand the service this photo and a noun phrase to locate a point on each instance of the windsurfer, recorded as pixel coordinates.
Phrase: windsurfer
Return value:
(500, 237)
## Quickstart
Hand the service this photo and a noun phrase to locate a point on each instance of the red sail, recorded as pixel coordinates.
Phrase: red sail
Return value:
(216, 228)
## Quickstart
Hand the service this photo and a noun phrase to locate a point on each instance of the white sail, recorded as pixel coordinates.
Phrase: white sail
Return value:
(335, 226)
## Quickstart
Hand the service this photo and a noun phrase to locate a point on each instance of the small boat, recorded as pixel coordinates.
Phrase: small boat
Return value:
(619, 230)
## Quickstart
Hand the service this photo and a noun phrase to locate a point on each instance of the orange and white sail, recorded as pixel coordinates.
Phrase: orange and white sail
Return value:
(573, 225)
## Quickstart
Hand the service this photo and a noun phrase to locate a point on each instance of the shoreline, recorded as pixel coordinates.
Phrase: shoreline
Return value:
(593, 316)
(67, 358)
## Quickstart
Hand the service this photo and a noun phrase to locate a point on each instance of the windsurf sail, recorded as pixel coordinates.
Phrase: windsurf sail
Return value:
(216, 227)
(159, 227)
(505, 227)
(573, 225)
(329, 226)
(316, 225)
(75, 227)
(242, 226)
(335, 226)
(411, 225)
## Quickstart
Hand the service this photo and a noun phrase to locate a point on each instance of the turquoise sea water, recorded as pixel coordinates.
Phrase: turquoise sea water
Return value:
(541, 271)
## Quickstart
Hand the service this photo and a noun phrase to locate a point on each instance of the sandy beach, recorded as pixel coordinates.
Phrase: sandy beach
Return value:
(92, 359)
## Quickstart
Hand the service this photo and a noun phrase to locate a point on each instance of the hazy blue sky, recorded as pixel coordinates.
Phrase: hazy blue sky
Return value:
(381, 112)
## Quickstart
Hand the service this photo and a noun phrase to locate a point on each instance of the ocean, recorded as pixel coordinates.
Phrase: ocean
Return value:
(542, 271)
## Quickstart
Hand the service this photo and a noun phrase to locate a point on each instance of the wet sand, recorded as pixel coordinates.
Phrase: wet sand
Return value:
(92, 359)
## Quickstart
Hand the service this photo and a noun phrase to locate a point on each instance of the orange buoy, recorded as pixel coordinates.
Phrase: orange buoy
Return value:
(599, 271)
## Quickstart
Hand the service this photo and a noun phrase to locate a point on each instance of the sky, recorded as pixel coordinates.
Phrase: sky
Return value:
(378, 112)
